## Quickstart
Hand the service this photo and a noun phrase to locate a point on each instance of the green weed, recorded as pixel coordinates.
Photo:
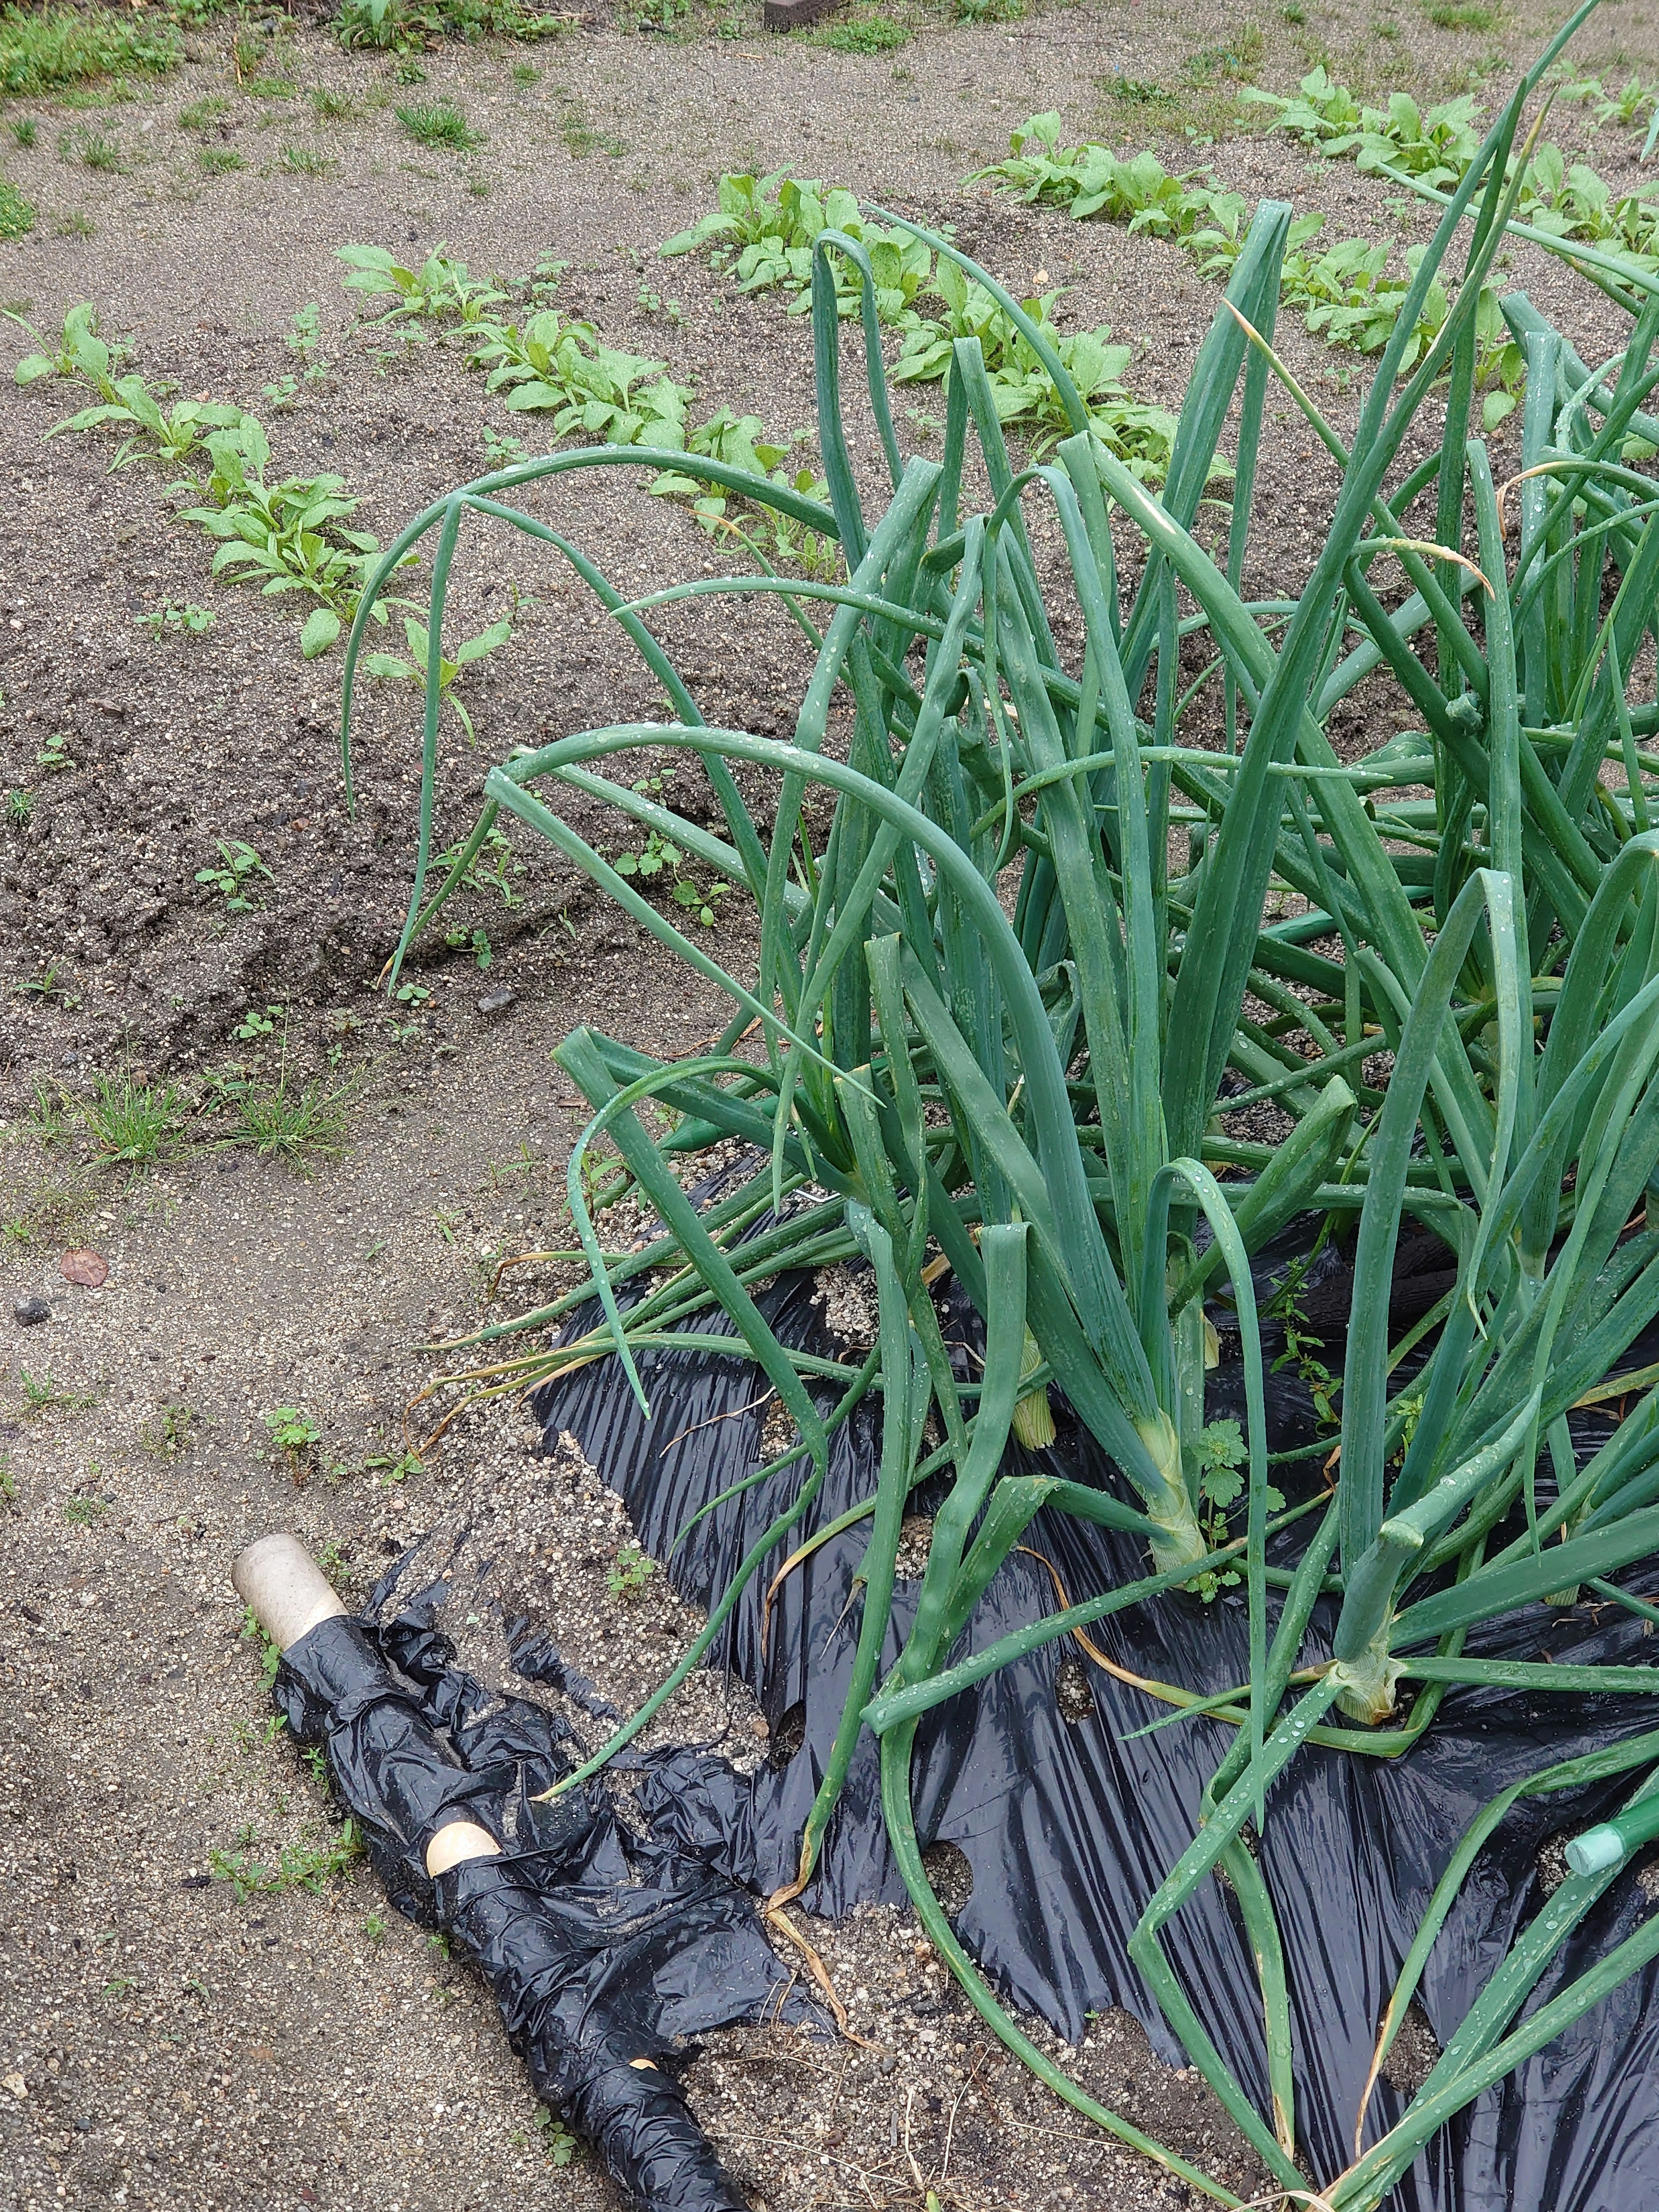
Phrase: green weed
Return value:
(130, 1123)
(44, 1394)
(169, 616)
(304, 339)
(558, 2143)
(298, 1866)
(660, 861)
(631, 1571)
(44, 48)
(219, 160)
(235, 875)
(92, 148)
(203, 115)
(441, 126)
(270, 1652)
(293, 1121)
(305, 161)
(169, 1431)
(47, 1114)
(411, 26)
(16, 213)
(491, 868)
(295, 1436)
(475, 941)
(84, 1512)
(1461, 15)
(874, 33)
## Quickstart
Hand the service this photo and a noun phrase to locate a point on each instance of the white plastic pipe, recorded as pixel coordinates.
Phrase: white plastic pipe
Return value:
(288, 1590)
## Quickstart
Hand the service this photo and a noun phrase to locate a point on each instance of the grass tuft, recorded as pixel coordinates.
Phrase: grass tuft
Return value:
(440, 125)
(43, 49)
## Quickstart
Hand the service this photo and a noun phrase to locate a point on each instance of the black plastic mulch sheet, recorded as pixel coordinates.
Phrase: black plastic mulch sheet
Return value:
(1068, 1827)
(603, 1945)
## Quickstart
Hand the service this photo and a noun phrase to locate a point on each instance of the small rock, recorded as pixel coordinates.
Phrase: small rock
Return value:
(28, 1312)
(496, 1002)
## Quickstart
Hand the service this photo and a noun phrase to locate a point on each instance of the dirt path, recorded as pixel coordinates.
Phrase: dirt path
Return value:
(164, 2042)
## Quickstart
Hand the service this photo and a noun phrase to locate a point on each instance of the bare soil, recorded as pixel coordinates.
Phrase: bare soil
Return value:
(160, 2044)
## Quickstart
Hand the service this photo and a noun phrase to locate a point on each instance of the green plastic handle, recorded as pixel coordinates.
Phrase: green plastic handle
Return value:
(1611, 1841)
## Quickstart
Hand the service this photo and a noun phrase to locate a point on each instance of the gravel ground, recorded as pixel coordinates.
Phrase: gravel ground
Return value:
(162, 2044)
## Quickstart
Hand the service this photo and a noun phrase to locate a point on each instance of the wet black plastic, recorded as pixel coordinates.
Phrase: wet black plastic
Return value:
(1069, 1824)
(604, 1947)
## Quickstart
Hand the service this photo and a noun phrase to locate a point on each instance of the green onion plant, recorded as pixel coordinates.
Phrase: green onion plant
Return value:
(1002, 1007)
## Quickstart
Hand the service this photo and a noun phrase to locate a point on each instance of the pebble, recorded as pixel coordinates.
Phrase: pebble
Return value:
(496, 1002)
(28, 1312)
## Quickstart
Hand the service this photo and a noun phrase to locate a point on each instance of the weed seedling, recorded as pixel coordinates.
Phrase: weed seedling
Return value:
(54, 754)
(554, 2138)
(46, 985)
(218, 160)
(374, 1927)
(238, 864)
(270, 1658)
(499, 450)
(475, 941)
(298, 1866)
(25, 131)
(16, 213)
(332, 1562)
(203, 115)
(255, 1024)
(90, 148)
(84, 1512)
(169, 1431)
(48, 1116)
(630, 1573)
(43, 1394)
(168, 616)
(296, 1436)
(389, 1474)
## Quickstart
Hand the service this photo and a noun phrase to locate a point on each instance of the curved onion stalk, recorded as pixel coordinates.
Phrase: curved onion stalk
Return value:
(1031, 1092)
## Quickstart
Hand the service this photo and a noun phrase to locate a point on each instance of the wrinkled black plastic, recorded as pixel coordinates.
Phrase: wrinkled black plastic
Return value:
(1069, 1825)
(602, 1947)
